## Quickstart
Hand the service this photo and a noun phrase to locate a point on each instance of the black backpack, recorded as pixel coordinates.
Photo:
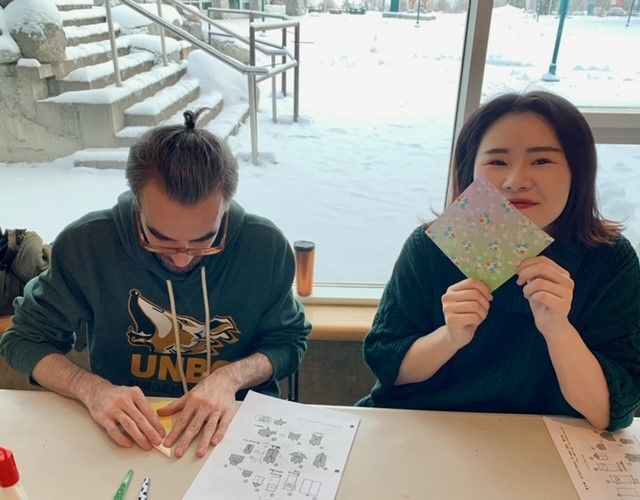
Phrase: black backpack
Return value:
(23, 255)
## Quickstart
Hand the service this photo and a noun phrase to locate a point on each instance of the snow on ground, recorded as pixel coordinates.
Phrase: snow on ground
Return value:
(367, 160)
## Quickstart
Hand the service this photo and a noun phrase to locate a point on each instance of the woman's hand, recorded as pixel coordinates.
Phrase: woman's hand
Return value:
(549, 290)
(465, 305)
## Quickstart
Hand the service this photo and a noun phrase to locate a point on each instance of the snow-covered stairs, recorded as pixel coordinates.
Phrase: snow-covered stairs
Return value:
(73, 4)
(167, 106)
(83, 16)
(84, 102)
(77, 35)
(226, 123)
(163, 104)
(102, 74)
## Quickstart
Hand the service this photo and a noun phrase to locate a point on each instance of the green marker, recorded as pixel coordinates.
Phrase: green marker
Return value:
(122, 490)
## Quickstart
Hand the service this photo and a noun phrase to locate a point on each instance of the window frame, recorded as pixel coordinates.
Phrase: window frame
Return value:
(610, 125)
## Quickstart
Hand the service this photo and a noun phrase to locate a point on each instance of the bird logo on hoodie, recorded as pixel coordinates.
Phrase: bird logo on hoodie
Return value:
(153, 327)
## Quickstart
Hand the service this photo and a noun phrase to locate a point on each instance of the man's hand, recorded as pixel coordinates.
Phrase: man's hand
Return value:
(125, 415)
(209, 407)
(465, 305)
(549, 290)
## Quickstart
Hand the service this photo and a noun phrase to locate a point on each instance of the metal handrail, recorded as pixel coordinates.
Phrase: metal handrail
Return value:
(229, 32)
(114, 47)
(257, 13)
(162, 41)
(271, 49)
(230, 61)
(266, 48)
(283, 25)
(251, 71)
(269, 25)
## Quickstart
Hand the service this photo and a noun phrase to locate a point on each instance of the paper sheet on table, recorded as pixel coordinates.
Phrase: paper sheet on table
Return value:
(485, 236)
(278, 450)
(601, 464)
(167, 423)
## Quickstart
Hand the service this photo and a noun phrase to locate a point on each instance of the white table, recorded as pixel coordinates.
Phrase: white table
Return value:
(397, 454)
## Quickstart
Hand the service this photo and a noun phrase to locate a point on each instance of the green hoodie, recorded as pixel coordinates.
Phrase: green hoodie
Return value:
(100, 275)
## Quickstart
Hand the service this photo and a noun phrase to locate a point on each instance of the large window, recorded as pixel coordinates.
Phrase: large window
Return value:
(619, 187)
(595, 68)
(595, 65)
(368, 160)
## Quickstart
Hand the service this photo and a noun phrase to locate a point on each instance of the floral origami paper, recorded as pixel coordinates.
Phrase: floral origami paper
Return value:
(485, 236)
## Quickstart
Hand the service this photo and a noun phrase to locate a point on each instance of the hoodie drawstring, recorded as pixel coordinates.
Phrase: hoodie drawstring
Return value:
(207, 328)
(176, 335)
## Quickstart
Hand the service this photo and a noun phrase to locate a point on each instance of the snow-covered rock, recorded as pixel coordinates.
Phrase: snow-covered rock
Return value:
(36, 26)
(9, 50)
(194, 28)
(189, 12)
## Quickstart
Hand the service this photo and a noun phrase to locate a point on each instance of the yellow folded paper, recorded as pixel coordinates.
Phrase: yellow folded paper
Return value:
(167, 423)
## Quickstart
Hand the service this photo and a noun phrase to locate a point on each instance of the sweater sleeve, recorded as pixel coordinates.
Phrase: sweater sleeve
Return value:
(613, 332)
(405, 311)
(283, 329)
(48, 314)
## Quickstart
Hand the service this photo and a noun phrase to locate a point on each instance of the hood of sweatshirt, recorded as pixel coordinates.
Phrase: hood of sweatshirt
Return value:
(124, 216)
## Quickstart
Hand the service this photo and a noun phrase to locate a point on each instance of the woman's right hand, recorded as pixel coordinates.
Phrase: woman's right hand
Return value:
(465, 305)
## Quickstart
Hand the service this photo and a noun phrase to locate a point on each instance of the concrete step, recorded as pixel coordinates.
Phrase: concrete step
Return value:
(64, 5)
(222, 121)
(100, 75)
(229, 120)
(88, 33)
(101, 158)
(82, 17)
(162, 105)
(89, 54)
(128, 135)
(133, 90)
(94, 116)
(214, 103)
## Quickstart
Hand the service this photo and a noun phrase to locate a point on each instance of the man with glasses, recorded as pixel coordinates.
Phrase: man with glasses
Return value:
(182, 293)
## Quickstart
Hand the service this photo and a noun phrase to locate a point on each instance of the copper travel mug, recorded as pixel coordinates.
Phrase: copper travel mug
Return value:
(305, 261)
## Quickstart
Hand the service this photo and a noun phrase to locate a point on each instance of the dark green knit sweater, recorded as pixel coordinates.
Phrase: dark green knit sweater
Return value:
(506, 368)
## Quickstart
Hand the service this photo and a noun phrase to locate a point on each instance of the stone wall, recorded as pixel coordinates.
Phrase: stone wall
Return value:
(22, 135)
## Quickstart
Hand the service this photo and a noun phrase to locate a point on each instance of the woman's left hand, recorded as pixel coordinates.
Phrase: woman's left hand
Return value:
(549, 290)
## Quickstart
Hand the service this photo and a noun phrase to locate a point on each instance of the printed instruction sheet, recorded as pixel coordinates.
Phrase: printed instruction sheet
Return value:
(278, 450)
(602, 465)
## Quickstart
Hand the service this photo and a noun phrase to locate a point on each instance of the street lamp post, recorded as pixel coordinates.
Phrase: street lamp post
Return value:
(633, 2)
(551, 76)
(418, 16)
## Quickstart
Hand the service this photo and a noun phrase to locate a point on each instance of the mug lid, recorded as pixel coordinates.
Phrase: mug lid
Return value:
(303, 245)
